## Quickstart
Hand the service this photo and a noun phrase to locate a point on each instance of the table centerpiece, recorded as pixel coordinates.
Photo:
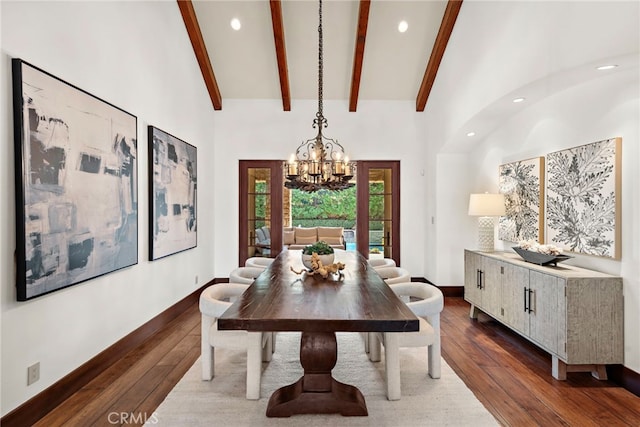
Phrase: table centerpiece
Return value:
(324, 251)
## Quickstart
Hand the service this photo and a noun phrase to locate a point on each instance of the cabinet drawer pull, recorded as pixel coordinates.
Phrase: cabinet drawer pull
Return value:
(531, 292)
(524, 293)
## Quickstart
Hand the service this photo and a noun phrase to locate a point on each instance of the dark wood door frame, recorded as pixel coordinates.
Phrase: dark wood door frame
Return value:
(362, 209)
(276, 190)
(362, 215)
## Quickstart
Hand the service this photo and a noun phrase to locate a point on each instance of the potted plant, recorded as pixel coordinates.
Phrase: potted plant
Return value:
(324, 251)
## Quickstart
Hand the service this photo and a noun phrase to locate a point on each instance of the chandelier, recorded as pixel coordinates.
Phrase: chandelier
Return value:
(319, 163)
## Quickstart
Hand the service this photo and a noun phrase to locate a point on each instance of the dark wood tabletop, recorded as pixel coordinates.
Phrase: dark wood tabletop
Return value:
(280, 300)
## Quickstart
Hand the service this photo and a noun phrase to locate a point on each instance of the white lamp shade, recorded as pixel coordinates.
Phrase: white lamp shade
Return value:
(486, 204)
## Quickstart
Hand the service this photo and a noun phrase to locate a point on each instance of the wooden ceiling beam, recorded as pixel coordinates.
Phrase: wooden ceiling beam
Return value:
(358, 56)
(439, 46)
(199, 48)
(281, 52)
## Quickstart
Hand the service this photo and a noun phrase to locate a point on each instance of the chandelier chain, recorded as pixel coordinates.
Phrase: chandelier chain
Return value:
(320, 67)
(319, 163)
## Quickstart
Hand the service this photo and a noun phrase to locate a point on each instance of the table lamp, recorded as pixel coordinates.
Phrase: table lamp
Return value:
(486, 206)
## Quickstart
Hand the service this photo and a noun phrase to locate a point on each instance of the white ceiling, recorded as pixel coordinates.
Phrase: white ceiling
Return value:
(501, 50)
(498, 50)
(244, 61)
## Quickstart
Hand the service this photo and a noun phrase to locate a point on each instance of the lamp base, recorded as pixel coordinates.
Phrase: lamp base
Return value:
(485, 234)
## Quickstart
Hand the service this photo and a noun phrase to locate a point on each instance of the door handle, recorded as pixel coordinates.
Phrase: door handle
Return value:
(527, 300)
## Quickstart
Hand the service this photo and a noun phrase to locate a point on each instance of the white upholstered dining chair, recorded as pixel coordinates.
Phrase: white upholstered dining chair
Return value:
(393, 275)
(257, 344)
(427, 309)
(390, 275)
(381, 262)
(245, 275)
(258, 262)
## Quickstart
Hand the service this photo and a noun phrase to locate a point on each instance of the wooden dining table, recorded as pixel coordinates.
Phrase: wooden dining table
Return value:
(357, 301)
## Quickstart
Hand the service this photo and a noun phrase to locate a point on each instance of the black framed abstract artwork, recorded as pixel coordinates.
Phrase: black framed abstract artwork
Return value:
(583, 198)
(172, 194)
(76, 184)
(522, 184)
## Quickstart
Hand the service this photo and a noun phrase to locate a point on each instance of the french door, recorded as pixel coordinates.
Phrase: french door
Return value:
(261, 186)
(261, 207)
(378, 209)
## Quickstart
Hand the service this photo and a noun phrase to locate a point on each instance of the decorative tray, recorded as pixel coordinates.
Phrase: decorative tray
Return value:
(539, 258)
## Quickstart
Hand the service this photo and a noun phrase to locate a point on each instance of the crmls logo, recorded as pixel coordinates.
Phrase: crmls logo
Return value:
(132, 418)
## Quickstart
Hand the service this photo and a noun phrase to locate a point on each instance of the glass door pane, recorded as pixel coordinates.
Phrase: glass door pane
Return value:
(380, 213)
(259, 212)
(378, 218)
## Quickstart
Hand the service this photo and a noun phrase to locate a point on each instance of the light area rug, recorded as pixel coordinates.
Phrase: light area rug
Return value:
(221, 402)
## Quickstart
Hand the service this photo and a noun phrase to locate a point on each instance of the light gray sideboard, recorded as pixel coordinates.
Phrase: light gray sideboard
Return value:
(573, 313)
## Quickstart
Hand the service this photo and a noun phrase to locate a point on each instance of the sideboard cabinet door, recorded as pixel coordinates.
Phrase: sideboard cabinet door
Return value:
(547, 309)
(492, 286)
(515, 283)
(595, 317)
(482, 284)
(472, 278)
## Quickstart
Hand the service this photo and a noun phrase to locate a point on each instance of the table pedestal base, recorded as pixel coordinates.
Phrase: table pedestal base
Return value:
(317, 392)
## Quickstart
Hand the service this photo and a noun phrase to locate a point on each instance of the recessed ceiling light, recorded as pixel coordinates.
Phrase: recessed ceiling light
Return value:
(471, 134)
(403, 26)
(516, 100)
(606, 67)
(235, 24)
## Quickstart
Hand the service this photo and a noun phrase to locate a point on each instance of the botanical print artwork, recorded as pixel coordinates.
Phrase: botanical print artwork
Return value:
(76, 184)
(521, 184)
(583, 198)
(172, 186)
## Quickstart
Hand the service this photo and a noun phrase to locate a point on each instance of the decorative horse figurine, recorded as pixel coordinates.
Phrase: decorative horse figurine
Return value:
(321, 269)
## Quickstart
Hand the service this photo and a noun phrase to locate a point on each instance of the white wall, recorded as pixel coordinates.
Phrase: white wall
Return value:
(261, 130)
(602, 109)
(499, 50)
(137, 56)
(547, 52)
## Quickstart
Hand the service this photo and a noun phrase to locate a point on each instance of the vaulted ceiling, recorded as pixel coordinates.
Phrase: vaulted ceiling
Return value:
(492, 52)
(275, 52)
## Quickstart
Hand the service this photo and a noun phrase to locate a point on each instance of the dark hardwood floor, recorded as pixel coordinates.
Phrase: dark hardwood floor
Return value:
(509, 375)
(512, 377)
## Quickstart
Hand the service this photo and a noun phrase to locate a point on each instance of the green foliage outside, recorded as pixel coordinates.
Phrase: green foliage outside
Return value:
(376, 205)
(334, 208)
(327, 208)
(324, 208)
(261, 202)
